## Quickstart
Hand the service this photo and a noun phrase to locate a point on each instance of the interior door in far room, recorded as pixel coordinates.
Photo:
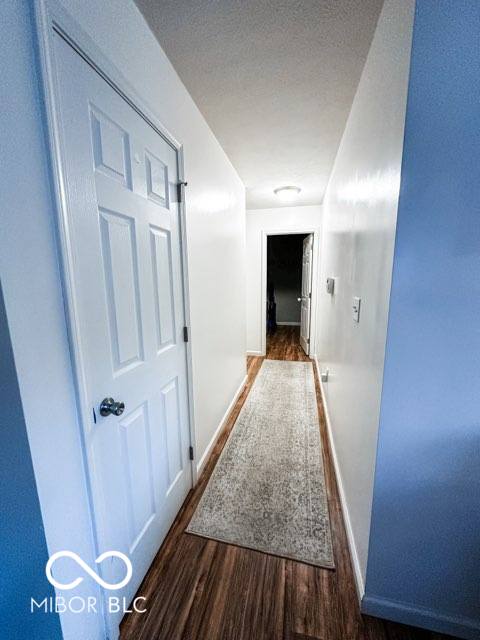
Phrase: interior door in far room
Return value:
(124, 242)
(306, 302)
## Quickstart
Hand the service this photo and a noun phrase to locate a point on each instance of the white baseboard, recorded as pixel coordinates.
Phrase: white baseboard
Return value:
(255, 353)
(288, 324)
(206, 453)
(359, 583)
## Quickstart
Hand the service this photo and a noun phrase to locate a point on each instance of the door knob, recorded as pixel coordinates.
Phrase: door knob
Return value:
(110, 407)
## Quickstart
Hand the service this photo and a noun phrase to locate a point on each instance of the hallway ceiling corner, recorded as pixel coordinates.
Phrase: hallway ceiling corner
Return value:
(275, 80)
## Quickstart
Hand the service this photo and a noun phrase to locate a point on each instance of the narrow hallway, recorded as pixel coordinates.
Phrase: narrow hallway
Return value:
(202, 589)
(232, 406)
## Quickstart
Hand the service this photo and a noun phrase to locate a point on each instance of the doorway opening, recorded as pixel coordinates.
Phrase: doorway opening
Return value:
(288, 294)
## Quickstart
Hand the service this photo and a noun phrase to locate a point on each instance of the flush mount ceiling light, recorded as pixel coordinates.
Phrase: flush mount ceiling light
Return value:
(287, 194)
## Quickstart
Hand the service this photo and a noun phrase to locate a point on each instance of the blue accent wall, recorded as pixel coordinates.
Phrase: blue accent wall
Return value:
(424, 554)
(22, 538)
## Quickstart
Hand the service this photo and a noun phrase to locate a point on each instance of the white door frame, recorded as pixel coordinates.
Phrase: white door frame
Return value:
(51, 18)
(313, 307)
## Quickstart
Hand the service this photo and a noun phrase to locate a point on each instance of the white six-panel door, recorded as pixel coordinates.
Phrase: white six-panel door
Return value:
(125, 247)
(306, 300)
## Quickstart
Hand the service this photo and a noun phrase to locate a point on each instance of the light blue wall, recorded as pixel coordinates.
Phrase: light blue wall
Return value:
(22, 538)
(424, 555)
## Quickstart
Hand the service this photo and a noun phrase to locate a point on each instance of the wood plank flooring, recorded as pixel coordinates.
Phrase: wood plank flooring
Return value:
(284, 344)
(199, 589)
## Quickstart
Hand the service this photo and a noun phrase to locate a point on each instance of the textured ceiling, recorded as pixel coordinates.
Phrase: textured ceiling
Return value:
(274, 79)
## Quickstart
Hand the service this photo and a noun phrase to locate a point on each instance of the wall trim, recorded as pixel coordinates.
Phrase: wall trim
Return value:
(421, 617)
(359, 582)
(201, 463)
(255, 353)
(288, 324)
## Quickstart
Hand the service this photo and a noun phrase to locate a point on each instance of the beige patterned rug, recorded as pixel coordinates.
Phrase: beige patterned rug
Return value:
(267, 491)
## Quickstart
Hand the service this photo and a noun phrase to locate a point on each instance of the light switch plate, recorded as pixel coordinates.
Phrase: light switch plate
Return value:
(330, 285)
(356, 309)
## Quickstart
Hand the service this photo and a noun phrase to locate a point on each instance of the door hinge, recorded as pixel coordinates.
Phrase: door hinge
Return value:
(185, 334)
(179, 190)
(190, 453)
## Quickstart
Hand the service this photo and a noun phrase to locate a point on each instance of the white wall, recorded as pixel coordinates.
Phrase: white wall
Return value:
(31, 279)
(360, 210)
(283, 219)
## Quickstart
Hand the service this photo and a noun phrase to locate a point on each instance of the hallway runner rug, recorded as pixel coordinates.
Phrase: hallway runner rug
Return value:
(267, 491)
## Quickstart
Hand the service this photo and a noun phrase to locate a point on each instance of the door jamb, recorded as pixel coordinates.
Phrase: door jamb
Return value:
(51, 17)
(315, 266)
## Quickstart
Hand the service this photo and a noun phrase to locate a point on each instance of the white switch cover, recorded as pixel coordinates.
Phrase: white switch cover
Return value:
(356, 309)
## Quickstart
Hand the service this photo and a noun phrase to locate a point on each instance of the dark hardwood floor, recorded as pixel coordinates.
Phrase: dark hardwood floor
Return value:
(284, 344)
(199, 589)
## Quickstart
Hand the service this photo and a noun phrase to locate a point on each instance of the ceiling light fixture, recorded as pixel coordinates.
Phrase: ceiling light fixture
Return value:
(287, 194)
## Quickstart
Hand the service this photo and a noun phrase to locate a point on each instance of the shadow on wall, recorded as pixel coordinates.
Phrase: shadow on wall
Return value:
(22, 539)
(453, 536)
